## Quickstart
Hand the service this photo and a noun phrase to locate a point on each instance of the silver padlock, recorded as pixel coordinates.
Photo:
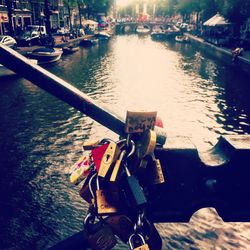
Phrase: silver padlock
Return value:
(143, 245)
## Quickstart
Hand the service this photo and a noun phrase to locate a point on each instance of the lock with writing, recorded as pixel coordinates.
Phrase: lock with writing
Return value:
(121, 225)
(99, 234)
(155, 170)
(105, 203)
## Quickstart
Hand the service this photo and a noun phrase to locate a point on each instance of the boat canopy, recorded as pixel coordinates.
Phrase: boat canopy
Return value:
(216, 20)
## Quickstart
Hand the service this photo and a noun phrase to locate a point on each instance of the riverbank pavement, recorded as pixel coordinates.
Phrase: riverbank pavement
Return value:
(244, 57)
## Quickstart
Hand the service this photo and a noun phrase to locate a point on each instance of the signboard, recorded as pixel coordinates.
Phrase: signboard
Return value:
(138, 122)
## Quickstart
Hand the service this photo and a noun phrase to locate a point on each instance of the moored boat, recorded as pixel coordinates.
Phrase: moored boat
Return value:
(69, 50)
(89, 42)
(45, 55)
(171, 32)
(142, 30)
(158, 34)
(103, 35)
(182, 39)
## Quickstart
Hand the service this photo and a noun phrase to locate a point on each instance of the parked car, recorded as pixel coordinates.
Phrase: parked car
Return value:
(8, 41)
(31, 35)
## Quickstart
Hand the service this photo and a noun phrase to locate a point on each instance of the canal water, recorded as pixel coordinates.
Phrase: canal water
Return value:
(41, 137)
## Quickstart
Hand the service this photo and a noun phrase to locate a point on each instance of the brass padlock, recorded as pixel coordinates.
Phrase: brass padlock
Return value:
(157, 176)
(117, 168)
(151, 235)
(110, 156)
(99, 235)
(121, 225)
(142, 245)
(146, 144)
(155, 170)
(104, 202)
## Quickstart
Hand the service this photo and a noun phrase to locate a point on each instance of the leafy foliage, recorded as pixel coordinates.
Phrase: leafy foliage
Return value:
(236, 11)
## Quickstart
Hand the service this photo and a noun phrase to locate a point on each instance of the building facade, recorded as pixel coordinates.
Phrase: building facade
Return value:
(21, 15)
(26, 12)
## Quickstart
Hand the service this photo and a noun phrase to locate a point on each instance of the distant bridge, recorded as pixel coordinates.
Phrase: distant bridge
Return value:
(132, 26)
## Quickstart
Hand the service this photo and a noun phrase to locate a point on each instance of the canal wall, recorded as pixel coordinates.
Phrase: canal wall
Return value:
(222, 53)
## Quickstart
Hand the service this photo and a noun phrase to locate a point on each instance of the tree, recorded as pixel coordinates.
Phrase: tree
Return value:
(9, 5)
(70, 4)
(47, 13)
(81, 5)
(93, 7)
(236, 11)
(166, 7)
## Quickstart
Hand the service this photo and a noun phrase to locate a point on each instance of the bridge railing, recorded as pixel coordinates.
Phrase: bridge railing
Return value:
(218, 178)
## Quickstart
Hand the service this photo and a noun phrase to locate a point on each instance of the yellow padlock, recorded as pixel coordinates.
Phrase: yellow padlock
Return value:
(110, 156)
(147, 143)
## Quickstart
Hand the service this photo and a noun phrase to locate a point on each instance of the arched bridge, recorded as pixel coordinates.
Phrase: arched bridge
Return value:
(131, 26)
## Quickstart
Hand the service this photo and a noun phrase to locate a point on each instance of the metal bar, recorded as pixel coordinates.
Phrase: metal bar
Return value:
(218, 178)
(61, 89)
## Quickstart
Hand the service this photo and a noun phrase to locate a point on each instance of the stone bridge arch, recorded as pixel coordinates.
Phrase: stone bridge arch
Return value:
(131, 26)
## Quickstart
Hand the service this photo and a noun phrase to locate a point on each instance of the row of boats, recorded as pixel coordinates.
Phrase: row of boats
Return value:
(159, 33)
(49, 55)
(45, 55)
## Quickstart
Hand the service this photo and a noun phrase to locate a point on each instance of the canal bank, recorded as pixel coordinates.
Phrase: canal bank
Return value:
(222, 53)
(58, 44)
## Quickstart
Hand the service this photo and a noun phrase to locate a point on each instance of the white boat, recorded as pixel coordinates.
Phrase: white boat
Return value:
(142, 29)
(158, 33)
(4, 72)
(45, 55)
(182, 39)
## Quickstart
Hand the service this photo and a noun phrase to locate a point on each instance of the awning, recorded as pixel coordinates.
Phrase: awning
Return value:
(216, 20)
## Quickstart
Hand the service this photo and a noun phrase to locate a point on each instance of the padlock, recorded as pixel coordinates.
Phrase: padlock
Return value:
(155, 171)
(142, 244)
(146, 144)
(84, 158)
(110, 156)
(81, 171)
(117, 168)
(99, 235)
(97, 154)
(139, 121)
(87, 192)
(104, 201)
(151, 235)
(121, 225)
(133, 192)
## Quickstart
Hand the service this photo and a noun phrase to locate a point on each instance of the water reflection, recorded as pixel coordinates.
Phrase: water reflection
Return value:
(40, 137)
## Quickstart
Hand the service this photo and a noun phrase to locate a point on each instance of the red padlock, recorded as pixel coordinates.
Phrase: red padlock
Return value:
(97, 155)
